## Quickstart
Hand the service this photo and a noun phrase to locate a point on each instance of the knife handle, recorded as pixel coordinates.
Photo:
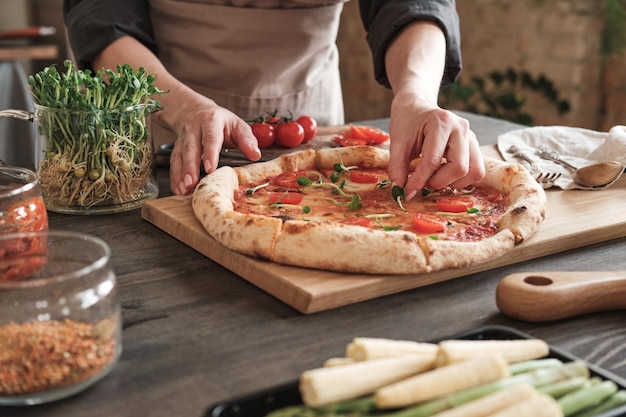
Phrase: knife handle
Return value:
(546, 296)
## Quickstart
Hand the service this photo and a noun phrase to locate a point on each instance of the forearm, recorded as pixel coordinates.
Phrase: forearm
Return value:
(178, 96)
(415, 61)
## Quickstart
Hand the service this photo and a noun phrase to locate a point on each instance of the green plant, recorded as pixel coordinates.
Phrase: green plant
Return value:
(502, 94)
(614, 33)
(613, 40)
(96, 131)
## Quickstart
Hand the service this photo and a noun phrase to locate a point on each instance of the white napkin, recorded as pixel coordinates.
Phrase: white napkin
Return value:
(579, 147)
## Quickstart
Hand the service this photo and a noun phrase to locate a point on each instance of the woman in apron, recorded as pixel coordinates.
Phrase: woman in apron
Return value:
(224, 62)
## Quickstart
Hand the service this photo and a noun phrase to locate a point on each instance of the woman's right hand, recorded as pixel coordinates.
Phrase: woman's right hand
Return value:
(202, 129)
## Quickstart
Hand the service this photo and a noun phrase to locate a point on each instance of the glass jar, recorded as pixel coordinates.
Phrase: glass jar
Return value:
(96, 161)
(21, 207)
(60, 322)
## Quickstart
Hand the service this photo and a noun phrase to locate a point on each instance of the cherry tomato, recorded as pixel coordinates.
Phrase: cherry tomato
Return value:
(369, 134)
(428, 223)
(273, 119)
(286, 197)
(345, 141)
(289, 134)
(288, 179)
(364, 177)
(309, 125)
(264, 133)
(454, 204)
(357, 221)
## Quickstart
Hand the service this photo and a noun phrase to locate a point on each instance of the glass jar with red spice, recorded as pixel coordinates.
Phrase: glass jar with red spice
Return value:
(60, 322)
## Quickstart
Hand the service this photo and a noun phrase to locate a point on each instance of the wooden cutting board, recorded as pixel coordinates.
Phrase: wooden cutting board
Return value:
(574, 219)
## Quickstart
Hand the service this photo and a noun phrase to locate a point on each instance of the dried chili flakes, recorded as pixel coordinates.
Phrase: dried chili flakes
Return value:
(47, 355)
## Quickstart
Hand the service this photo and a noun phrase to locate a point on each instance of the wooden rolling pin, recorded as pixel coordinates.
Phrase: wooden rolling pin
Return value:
(546, 296)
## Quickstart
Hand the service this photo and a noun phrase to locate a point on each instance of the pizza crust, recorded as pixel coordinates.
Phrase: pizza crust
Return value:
(212, 204)
(446, 254)
(527, 200)
(355, 249)
(296, 161)
(339, 247)
(364, 156)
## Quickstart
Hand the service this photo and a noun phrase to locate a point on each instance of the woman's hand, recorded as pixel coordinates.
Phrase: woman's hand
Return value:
(202, 127)
(202, 131)
(449, 151)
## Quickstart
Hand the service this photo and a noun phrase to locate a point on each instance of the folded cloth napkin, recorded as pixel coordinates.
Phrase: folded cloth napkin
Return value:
(577, 146)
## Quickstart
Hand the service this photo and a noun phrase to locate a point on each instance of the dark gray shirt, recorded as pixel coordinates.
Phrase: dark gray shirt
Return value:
(94, 24)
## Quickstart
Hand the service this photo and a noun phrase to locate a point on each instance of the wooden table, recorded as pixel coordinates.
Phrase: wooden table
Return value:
(195, 334)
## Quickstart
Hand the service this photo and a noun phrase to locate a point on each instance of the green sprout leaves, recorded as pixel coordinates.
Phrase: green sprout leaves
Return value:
(399, 195)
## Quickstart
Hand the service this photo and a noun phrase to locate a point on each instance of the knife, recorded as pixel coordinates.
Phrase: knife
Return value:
(555, 295)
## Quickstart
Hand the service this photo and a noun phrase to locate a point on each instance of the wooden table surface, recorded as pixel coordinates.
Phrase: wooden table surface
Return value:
(195, 334)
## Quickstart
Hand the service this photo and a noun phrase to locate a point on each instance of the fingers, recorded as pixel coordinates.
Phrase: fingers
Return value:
(243, 139)
(200, 142)
(185, 161)
(449, 154)
(399, 161)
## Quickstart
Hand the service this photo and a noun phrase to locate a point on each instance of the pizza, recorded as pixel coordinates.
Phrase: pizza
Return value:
(335, 209)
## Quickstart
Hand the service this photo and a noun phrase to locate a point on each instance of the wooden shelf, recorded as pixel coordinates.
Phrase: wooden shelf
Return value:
(14, 53)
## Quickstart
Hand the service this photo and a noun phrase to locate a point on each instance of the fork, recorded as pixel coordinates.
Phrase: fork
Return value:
(518, 153)
(547, 179)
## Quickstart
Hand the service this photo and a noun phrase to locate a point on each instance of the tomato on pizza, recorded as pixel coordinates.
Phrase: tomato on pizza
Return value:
(340, 205)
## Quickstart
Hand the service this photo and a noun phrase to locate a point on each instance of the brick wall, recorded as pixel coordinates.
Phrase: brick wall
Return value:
(559, 39)
(364, 98)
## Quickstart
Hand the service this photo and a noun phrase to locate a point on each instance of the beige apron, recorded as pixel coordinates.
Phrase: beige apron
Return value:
(254, 60)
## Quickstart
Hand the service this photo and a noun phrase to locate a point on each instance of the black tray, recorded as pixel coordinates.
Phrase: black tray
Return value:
(261, 403)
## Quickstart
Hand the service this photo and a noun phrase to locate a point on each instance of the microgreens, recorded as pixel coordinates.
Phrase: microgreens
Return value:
(383, 184)
(399, 195)
(469, 210)
(378, 217)
(96, 133)
(389, 228)
(355, 199)
(306, 182)
(340, 168)
(251, 191)
(355, 202)
(303, 209)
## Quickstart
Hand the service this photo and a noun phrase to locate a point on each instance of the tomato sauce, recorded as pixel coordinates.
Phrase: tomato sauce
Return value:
(19, 258)
(476, 222)
(27, 215)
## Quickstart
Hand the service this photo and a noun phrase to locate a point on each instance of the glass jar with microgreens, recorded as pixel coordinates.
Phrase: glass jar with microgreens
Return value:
(98, 155)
